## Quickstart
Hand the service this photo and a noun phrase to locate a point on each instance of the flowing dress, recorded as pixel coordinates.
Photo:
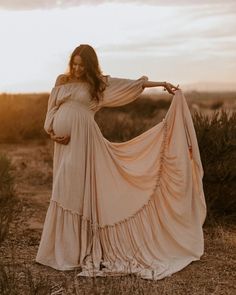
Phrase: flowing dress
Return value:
(117, 208)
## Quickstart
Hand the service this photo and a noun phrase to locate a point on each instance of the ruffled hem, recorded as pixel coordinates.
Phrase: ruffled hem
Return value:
(56, 266)
(118, 257)
(161, 270)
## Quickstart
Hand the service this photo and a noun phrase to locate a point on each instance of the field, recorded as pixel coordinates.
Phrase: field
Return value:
(22, 115)
(26, 181)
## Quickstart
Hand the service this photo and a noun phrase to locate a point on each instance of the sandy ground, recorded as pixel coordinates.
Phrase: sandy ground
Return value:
(215, 273)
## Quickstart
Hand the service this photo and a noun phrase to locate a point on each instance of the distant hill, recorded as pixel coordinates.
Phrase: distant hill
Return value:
(210, 87)
(198, 86)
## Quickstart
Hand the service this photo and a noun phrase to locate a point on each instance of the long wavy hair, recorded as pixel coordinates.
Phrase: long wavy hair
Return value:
(92, 72)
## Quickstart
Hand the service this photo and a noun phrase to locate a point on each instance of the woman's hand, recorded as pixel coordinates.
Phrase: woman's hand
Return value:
(167, 86)
(170, 87)
(60, 139)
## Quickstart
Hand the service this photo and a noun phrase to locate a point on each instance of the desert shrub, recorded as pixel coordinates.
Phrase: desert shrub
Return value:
(8, 200)
(217, 105)
(217, 143)
(123, 127)
(145, 107)
(125, 122)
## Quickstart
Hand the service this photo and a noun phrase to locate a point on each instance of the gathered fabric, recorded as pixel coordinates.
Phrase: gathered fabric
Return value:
(118, 208)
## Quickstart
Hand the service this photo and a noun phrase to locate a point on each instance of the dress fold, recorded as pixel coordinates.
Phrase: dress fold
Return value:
(118, 208)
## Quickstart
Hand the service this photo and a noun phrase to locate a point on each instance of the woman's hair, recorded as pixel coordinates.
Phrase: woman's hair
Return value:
(92, 72)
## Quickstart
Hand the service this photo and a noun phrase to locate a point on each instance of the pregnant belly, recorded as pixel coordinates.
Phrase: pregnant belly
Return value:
(63, 120)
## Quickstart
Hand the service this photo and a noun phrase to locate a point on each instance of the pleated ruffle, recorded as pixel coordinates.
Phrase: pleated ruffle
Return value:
(160, 238)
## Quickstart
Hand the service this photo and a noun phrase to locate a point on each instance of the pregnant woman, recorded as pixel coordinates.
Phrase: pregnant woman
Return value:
(117, 208)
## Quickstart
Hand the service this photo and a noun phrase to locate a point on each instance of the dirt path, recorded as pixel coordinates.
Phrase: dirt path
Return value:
(214, 274)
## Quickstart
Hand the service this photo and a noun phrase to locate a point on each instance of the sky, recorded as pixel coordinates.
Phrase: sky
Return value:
(183, 42)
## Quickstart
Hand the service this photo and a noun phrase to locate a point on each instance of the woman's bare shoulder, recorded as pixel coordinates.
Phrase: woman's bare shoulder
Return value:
(61, 79)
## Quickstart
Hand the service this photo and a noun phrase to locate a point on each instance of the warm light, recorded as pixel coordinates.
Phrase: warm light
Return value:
(183, 44)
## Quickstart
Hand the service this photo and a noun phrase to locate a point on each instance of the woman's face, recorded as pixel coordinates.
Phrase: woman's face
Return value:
(77, 66)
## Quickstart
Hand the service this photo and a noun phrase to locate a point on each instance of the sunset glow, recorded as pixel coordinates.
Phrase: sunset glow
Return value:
(180, 43)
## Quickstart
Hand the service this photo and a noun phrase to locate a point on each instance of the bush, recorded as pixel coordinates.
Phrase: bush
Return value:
(217, 143)
(8, 200)
(125, 122)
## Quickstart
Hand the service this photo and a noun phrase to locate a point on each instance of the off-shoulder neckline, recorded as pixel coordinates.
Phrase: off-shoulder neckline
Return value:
(70, 83)
(77, 82)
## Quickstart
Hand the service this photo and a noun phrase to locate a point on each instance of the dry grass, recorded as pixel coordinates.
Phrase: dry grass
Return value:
(214, 274)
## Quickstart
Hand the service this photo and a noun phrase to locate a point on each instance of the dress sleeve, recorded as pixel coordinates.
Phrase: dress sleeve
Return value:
(121, 91)
(58, 95)
(51, 110)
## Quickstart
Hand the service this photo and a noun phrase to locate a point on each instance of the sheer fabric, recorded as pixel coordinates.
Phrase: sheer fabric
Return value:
(118, 208)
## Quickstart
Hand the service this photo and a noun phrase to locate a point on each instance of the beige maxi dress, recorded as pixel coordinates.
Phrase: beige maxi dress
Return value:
(119, 208)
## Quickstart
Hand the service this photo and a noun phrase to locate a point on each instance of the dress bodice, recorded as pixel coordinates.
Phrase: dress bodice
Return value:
(118, 92)
(79, 92)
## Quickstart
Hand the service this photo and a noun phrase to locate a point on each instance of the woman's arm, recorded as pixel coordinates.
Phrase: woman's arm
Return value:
(61, 79)
(167, 86)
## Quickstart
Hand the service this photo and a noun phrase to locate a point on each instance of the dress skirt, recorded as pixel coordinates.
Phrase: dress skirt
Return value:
(131, 207)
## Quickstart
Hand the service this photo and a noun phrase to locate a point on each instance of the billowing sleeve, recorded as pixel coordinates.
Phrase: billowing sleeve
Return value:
(121, 91)
(51, 110)
(58, 95)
